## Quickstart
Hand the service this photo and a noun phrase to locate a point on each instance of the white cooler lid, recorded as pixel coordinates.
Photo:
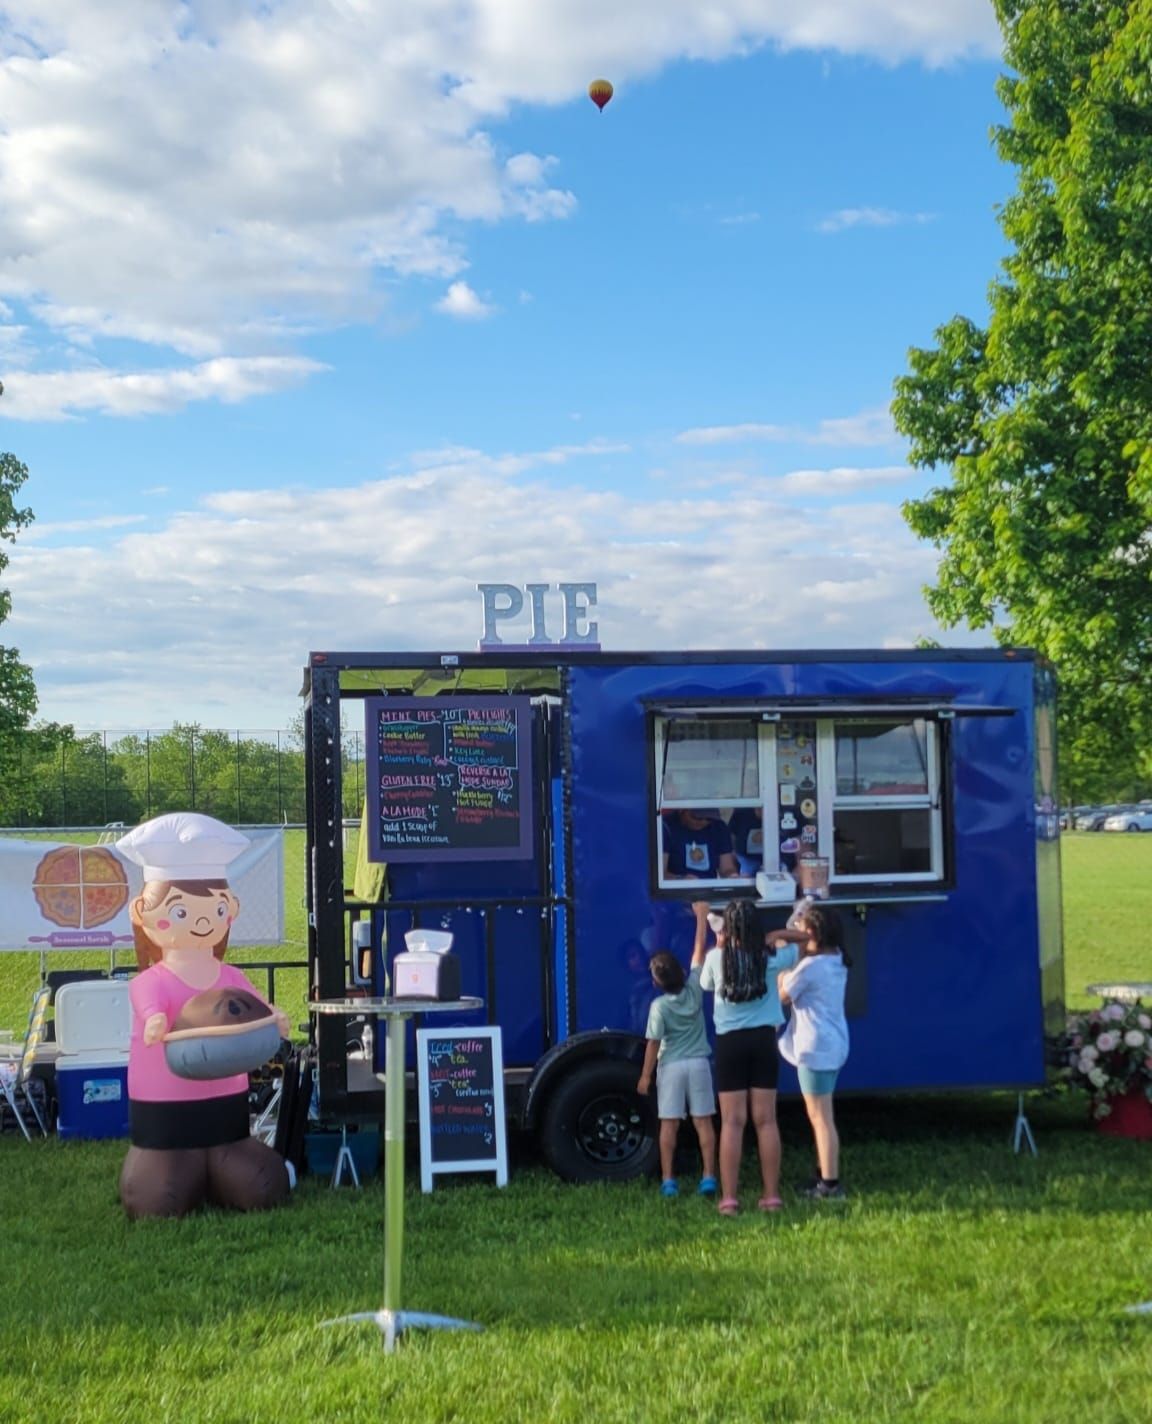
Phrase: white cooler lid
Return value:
(99, 1060)
(93, 1016)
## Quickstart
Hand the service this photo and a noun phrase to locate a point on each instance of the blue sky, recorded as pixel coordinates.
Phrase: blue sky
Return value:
(308, 326)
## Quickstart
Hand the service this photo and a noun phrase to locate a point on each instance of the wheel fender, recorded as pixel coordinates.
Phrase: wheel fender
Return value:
(581, 1048)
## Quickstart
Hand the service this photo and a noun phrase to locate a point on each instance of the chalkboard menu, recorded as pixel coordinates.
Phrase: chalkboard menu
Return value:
(460, 1080)
(449, 778)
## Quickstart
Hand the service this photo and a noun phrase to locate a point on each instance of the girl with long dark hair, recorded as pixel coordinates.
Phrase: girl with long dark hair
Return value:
(742, 972)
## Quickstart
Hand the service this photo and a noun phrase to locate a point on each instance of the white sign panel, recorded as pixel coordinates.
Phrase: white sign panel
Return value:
(57, 895)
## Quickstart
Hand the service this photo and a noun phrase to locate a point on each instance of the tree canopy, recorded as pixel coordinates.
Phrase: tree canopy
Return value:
(1043, 415)
(17, 689)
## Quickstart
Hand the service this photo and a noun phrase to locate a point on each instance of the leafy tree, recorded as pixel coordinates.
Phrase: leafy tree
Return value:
(62, 779)
(1044, 414)
(17, 689)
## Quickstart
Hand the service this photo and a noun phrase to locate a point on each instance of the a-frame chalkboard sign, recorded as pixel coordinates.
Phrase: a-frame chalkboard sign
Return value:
(460, 1084)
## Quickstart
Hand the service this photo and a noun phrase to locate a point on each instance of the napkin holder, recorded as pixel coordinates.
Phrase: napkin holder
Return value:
(427, 969)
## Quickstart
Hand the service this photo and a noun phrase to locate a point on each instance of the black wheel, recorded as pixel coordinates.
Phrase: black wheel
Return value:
(597, 1127)
(1132, 827)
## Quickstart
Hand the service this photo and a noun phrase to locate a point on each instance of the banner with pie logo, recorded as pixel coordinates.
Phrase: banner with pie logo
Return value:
(56, 895)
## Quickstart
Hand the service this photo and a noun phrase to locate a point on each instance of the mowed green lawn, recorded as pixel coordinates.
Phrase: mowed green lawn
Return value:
(959, 1283)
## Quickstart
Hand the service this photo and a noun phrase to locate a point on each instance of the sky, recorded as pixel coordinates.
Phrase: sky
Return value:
(315, 314)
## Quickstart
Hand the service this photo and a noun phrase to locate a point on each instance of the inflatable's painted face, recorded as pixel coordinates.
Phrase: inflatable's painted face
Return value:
(185, 920)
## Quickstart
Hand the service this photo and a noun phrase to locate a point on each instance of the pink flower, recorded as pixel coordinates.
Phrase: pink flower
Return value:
(1107, 1041)
(1144, 1021)
(1115, 1012)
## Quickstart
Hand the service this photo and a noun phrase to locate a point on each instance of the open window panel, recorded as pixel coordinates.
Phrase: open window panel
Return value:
(745, 792)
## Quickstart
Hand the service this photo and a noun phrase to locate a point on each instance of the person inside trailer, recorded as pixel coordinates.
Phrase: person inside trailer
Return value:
(746, 827)
(698, 845)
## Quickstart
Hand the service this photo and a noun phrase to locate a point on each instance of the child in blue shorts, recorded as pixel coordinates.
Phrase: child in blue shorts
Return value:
(816, 1037)
(678, 1046)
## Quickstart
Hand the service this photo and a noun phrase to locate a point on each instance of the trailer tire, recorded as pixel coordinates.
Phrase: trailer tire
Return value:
(597, 1128)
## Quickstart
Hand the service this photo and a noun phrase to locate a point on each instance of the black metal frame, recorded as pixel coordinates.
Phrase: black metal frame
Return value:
(328, 905)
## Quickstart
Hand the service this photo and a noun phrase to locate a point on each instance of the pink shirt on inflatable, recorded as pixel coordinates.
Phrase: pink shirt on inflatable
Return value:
(158, 991)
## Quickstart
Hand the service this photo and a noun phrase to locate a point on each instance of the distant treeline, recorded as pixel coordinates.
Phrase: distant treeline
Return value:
(54, 776)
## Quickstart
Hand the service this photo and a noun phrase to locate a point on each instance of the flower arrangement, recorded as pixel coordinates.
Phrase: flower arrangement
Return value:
(1110, 1053)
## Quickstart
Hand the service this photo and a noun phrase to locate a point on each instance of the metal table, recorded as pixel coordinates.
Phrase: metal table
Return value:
(391, 1320)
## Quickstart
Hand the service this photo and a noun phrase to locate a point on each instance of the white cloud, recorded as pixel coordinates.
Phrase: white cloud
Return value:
(210, 614)
(463, 303)
(870, 217)
(57, 395)
(216, 178)
(52, 529)
(870, 427)
(843, 479)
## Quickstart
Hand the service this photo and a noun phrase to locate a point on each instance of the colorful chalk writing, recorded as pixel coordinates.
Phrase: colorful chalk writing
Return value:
(461, 1089)
(449, 778)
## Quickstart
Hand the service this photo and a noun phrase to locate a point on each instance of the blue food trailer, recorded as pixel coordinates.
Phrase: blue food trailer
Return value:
(542, 805)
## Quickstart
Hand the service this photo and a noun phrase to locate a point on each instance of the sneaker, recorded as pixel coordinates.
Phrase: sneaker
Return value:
(670, 1187)
(824, 1191)
(707, 1187)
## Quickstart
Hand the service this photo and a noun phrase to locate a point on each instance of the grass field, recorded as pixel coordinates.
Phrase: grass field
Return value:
(959, 1282)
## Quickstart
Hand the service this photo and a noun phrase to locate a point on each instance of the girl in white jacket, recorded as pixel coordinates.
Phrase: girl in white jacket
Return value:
(816, 1037)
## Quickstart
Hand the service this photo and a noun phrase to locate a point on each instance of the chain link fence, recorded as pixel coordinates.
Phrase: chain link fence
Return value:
(55, 777)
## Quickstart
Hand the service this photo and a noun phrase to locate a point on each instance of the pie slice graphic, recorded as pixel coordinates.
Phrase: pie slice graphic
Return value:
(80, 887)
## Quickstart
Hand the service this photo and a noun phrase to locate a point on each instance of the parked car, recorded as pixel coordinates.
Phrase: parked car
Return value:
(1071, 814)
(1132, 818)
(1093, 818)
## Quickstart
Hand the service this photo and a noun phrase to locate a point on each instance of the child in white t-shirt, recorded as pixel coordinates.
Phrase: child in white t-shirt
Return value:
(678, 1043)
(816, 1037)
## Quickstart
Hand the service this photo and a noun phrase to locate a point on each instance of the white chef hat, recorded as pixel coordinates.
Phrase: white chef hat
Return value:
(183, 845)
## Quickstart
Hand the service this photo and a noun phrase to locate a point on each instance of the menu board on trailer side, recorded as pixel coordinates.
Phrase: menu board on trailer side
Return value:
(449, 778)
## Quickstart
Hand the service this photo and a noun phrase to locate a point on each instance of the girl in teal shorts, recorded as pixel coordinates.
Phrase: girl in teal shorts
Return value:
(816, 1037)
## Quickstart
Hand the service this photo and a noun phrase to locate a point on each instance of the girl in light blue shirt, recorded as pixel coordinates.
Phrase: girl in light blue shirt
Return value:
(742, 973)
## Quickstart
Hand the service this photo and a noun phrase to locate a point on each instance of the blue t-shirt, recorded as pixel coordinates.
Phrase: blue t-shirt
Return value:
(747, 831)
(695, 852)
(764, 1012)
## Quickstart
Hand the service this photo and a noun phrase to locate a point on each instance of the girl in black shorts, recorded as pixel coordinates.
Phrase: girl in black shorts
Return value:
(747, 1013)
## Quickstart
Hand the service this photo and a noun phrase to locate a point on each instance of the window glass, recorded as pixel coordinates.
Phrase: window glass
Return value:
(709, 762)
(881, 759)
(880, 842)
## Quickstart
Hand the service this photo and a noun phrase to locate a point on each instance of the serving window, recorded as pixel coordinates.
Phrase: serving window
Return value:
(737, 794)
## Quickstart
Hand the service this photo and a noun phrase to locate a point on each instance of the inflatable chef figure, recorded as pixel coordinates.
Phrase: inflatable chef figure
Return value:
(198, 1028)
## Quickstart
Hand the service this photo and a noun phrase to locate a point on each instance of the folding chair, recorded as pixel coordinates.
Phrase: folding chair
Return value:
(14, 1080)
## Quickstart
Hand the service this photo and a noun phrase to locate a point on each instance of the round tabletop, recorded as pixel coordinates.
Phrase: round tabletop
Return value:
(394, 1008)
(1123, 993)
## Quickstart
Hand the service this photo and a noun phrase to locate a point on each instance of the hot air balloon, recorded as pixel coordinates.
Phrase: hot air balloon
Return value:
(600, 91)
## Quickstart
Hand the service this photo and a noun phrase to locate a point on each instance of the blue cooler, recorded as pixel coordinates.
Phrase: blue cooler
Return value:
(93, 1026)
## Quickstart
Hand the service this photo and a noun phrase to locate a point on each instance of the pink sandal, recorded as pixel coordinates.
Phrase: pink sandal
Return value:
(729, 1206)
(770, 1204)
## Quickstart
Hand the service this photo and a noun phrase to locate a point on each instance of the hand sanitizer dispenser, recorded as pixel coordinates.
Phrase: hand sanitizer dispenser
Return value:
(428, 970)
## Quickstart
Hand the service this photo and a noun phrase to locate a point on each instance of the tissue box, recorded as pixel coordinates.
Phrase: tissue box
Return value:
(425, 975)
(428, 970)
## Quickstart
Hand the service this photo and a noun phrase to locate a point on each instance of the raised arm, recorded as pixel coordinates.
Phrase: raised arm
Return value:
(700, 909)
